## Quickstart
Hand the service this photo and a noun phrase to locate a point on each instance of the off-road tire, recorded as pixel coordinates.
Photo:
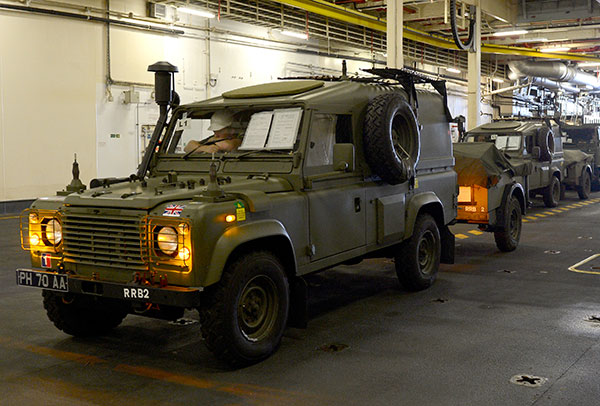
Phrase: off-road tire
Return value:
(546, 143)
(243, 316)
(418, 259)
(391, 126)
(508, 235)
(585, 188)
(552, 193)
(82, 315)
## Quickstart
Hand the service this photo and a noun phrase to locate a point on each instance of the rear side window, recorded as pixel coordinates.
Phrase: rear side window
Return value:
(322, 138)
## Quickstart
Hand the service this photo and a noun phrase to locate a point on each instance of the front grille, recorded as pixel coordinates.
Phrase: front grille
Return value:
(103, 240)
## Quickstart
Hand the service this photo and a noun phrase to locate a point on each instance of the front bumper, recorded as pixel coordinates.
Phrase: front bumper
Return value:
(131, 292)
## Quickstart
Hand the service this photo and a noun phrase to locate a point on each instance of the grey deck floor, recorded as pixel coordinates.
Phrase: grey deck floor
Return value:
(489, 317)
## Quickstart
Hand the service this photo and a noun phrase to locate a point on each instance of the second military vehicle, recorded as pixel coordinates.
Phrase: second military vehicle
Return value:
(326, 171)
(584, 138)
(536, 144)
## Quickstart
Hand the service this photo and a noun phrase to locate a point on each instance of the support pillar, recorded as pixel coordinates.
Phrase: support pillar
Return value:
(395, 25)
(474, 75)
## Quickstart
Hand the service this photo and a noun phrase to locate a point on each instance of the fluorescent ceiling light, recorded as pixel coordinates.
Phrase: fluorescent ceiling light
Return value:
(295, 34)
(555, 49)
(497, 80)
(453, 70)
(588, 87)
(196, 12)
(507, 33)
(522, 40)
(584, 64)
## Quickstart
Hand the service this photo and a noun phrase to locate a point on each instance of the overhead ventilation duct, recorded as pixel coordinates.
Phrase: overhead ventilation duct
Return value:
(553, 75)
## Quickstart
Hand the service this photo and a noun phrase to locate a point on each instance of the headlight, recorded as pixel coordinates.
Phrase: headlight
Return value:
(52, 232)
(167, 240)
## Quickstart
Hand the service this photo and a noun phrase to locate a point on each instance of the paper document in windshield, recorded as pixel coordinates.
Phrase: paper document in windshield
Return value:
(257, 131)
(284, 128)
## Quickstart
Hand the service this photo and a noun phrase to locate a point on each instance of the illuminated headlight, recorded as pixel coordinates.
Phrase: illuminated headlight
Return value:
(465, 194)
(52, 232)
(167, 240)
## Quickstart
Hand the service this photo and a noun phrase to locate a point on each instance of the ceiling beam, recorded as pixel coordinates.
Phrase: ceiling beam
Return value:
(333, 11)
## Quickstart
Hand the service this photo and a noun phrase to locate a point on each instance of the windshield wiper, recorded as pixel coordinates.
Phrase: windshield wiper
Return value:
(256, 151)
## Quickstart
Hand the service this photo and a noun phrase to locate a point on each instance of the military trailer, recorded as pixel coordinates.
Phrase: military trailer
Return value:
(328, 172)
(534, 143)
(578, 172)
(584, 138)
(492, 191)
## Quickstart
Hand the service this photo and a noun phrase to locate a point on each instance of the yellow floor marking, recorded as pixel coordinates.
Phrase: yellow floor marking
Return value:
(525, 220)
(540, 215)
(531, 218)
(475, 232)
(574, 267)
(549, 213)
(461, 236)
(9, 217)
(556, 210)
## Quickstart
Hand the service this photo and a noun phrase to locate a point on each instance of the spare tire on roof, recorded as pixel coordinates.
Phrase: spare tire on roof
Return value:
(391, 138)
(546, 143)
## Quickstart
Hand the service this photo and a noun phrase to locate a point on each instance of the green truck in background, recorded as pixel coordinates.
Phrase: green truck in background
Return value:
(328, 172)
(535, 144)
(582, 157)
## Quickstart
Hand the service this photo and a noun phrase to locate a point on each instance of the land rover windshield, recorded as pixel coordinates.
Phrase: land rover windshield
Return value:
(504, 142)
(232, 132)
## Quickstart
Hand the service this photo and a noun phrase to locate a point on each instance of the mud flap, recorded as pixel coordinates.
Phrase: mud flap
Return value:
(298, 317)
(447, 254)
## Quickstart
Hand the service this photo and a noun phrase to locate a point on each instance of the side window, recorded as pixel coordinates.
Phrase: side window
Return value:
(322, 138)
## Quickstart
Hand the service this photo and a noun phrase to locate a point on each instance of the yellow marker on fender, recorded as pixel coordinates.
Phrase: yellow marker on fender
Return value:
(240, 211)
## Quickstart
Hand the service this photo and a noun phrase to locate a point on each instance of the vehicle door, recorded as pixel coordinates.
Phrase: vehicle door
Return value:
(336, 199)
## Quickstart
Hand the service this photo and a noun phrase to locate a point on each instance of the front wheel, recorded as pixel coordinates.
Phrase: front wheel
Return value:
(508, 236)
(244, 315)
(418, 260)
(552, 193)
(82, 315)
(585, 188)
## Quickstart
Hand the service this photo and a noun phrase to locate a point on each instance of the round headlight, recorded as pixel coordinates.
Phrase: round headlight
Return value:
(167, 240)
(53, 232)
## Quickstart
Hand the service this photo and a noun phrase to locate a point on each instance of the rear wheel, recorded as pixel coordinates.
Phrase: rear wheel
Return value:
(82, 315)
(418, 260)
(585, 188)
(245, 313)
(552, 193)
(507, 238)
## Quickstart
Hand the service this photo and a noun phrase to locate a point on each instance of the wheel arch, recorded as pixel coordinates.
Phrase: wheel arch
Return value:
(268, 235)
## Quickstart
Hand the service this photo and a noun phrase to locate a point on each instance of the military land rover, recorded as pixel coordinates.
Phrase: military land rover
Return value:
(492, 190)
(535, 144)
(327, 172)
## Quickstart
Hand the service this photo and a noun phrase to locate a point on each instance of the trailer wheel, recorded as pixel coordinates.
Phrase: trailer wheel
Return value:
(391, 138)
(508, 236)
(585, 188)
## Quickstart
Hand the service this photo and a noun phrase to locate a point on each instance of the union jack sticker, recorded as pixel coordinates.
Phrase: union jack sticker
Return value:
(173, 210)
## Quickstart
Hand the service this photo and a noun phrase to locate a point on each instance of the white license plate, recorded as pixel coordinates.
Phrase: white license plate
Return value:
(43, 280)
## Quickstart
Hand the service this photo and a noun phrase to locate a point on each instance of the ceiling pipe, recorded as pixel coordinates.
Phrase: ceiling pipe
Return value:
(555, 71)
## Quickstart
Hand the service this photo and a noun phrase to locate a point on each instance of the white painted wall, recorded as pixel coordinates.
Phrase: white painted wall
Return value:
(54, 101)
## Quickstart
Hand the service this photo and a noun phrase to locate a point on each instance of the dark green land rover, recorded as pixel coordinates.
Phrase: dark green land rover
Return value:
(324, 172)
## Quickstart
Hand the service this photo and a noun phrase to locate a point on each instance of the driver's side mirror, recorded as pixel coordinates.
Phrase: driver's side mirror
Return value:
(536, 152)
(343, 157)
